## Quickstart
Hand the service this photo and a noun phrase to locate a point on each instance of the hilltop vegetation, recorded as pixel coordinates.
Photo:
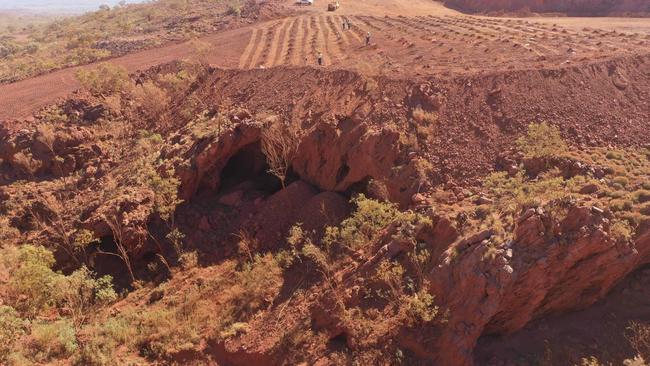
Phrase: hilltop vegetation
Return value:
(110, 32)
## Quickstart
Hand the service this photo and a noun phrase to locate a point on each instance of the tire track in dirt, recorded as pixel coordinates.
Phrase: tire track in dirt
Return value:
(245, 58)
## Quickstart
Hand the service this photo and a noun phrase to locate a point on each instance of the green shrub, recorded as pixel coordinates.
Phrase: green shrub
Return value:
(420, 307)
(515, 193)
(621, 231)
(12, 327)
(35, 287)
(53, 340)
(102, 341)
(33, 283)
(241, 293)
(368, 219)
(104, 80)
(153, 100)
(95, 353)
(641, 196)
(645, 209)
(541, 140)
(81, 290)
(422, 116)
(620, 205)
(617, 194)
(189, 260)
(613, 155)
(234, 9)
(234, 330)
(621, 180)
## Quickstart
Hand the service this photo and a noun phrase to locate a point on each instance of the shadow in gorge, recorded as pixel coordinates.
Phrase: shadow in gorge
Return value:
(601, 331)
(104, 260)
(226, 197)
(248, 170)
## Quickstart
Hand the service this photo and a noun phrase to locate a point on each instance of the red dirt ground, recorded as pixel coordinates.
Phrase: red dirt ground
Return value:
(421, 38)
(491, 77)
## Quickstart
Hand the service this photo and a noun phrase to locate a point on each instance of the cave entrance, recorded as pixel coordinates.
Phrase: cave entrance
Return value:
(106, 261)
(248, 166)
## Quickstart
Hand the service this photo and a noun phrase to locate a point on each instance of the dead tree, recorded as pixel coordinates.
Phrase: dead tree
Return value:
(279, 145)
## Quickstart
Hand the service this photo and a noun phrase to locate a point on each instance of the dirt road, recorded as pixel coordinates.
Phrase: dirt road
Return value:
(408, 39)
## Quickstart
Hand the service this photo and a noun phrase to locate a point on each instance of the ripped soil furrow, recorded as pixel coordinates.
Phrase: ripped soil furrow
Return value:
(345, 41)
(304, 33)
(354, 31)
(245, 58)
(330, 38)
(313, 47)
(337, 38)
(289, 46)
(278, 39)
(358, 31)
(529, 38)
(260, 44)
(285, 39)
(269, 42)
(366, 21)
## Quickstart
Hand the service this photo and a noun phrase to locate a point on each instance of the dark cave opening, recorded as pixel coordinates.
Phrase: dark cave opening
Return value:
(105, 260)
(339, 342)
(248, 166)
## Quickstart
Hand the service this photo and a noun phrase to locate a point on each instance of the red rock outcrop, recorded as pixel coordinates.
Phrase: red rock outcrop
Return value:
(550, 266)
(336, 159)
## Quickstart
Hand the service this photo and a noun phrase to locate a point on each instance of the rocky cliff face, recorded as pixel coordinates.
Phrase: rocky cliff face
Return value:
(550, 266)
(574, 7)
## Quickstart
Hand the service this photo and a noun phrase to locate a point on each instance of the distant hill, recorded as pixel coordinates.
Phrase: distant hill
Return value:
(569, 7)
(58, 6)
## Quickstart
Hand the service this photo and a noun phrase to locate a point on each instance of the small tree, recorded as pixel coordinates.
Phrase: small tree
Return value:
(81, 290)
(153, 101)
(56, 224)
(117, 228)
(279, 145)
(201, 51)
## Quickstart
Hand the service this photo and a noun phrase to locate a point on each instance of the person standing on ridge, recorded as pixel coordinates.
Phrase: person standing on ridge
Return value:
(368, 39)
(320, 59)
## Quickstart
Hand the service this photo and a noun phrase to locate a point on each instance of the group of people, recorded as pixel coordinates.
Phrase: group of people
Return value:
(347, 25)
